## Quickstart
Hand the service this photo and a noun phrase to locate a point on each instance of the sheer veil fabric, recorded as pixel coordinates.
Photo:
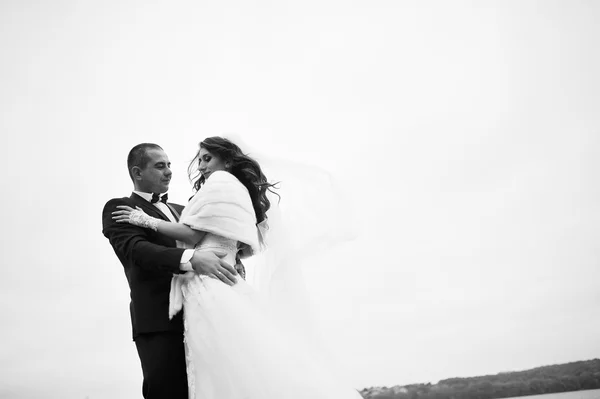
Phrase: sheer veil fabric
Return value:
(310, 219)
(260, 340)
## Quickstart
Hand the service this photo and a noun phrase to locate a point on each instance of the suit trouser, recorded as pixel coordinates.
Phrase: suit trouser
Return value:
(162, 355)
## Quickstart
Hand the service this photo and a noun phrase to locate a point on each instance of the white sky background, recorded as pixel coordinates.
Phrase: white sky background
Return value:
(468, 133)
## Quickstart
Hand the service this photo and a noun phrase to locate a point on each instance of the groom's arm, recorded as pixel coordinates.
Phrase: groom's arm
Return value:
(132, 244)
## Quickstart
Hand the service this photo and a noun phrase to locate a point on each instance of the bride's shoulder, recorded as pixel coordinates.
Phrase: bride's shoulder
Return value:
(219, 186)
(222, 177)
(222, 183)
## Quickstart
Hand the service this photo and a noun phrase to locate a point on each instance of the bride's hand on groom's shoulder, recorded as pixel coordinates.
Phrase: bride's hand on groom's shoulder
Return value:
(211, 264)
(136, 217)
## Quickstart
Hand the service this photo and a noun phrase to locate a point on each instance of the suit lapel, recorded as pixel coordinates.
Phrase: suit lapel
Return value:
(148, 207)
(173, 211)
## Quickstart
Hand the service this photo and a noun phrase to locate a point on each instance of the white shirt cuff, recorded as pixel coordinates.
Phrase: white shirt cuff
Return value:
(185, 264)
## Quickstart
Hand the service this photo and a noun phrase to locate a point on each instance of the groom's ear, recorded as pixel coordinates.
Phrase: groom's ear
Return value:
(136, 173)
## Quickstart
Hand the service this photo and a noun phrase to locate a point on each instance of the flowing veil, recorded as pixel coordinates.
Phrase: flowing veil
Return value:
(261, 338)
(312, 216)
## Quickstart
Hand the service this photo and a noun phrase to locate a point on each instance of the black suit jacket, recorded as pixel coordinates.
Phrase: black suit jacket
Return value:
(149, 260)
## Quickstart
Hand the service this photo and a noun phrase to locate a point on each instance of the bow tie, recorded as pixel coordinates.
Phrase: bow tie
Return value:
(156, 197)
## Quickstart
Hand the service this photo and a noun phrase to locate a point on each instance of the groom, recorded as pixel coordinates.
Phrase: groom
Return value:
(149, 260)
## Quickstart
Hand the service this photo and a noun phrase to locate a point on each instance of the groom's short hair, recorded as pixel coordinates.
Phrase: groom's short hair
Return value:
(138, 156)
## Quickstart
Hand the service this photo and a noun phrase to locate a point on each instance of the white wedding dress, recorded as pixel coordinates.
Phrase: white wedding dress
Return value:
(233, 349)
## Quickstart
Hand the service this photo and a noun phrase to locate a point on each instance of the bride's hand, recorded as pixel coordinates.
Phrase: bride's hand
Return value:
(124, 215)
(137, 217)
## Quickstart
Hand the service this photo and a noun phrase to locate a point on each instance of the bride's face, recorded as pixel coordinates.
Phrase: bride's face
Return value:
(209, 163)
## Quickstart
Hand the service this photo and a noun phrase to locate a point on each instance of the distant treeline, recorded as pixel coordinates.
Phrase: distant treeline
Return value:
(547, 379)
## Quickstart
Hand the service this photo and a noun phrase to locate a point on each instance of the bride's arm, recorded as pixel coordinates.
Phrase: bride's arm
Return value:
(176, 231)
(180, 232)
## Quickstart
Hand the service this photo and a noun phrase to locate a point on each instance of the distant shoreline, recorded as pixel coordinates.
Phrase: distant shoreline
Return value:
(567, 377)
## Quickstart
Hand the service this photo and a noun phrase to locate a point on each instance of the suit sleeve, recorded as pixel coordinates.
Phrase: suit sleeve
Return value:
(132, 244)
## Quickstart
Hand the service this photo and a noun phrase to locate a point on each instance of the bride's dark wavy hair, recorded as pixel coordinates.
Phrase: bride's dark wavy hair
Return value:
(246, 169)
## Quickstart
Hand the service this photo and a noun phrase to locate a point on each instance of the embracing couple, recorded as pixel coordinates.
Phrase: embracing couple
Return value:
(197, 325)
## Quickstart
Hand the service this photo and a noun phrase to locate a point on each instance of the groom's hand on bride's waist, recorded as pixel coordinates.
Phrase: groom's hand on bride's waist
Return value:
(211, 264)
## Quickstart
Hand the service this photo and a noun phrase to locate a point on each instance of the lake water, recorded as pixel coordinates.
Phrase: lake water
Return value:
(588, 394)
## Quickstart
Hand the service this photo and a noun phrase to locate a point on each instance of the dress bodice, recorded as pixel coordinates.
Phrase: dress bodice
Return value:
(216, 243)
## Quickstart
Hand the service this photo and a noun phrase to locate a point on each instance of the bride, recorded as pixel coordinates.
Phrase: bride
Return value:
(234, 349)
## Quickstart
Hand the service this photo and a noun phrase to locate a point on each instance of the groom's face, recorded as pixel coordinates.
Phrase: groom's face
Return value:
(156, 176)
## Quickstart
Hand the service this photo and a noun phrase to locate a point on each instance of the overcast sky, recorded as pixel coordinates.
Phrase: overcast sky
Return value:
(467, 134)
